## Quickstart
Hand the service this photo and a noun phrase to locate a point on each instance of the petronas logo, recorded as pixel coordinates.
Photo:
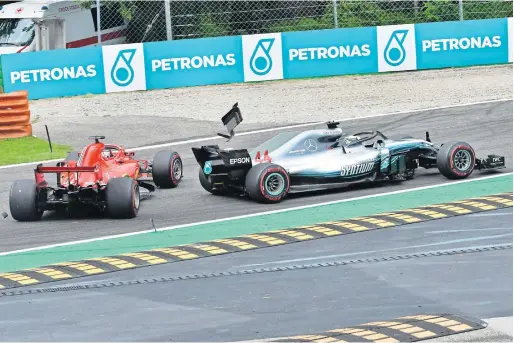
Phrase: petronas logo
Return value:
(122, 73)
(207, 168)
(261, 61)
(394, 52)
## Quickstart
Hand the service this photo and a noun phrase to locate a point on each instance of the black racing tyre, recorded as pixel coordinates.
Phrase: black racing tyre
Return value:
(72, 156)
(267, 183)
(23, 201)
(123, 198)
(206, 184)
(167, 169)
(456, 160)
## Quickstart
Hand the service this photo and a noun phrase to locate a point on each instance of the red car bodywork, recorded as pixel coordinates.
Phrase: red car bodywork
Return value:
(104, 176)
(94, 169)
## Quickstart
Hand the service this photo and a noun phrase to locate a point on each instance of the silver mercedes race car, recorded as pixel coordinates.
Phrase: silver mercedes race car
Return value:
(327, 158)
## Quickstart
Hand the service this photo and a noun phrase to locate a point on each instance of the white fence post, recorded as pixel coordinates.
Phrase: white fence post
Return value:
(167, 11)
(98, 25)
(334, 6)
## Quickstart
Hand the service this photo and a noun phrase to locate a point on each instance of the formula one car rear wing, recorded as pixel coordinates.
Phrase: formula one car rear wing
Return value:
(231, 120)
(49, 170)
(60, 168)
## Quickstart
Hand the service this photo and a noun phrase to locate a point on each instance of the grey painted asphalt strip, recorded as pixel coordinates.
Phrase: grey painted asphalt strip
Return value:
(486, 127)
(281, 303)
(410, 239)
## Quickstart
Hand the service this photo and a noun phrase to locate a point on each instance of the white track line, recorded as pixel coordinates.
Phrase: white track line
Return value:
(250, 215)
(313, 124)
(196, 140)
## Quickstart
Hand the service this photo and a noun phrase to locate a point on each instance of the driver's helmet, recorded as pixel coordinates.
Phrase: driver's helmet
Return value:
(109, 152)
(106, 153)
(350, 138)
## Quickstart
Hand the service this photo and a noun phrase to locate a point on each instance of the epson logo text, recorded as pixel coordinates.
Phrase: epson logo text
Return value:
(241, 160)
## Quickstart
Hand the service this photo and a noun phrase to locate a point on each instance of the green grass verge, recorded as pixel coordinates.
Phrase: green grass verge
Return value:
(29, 149)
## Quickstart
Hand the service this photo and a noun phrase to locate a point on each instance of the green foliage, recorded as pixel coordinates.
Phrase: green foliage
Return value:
(364, 13)
(442, 10)
(358, 13)
(125, 8)
(197, 19)
(208, 27)
(302, 24)
(487, 9)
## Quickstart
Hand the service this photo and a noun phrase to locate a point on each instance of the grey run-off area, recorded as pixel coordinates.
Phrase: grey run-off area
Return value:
(141, 118)
(286, 303)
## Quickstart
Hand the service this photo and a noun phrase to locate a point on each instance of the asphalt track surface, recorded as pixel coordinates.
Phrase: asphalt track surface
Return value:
(487, 127)
(283, 303)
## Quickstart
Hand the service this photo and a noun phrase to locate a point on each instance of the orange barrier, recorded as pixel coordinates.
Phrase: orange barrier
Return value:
(15, 115)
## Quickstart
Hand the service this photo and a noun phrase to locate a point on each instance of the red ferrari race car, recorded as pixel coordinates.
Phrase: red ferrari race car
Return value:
(102, 176)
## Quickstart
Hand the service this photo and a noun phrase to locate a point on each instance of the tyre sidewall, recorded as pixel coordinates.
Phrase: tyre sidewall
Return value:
(447, 164)
(123, 198)
(23, 198)
(256, 182)
(176, 157)
(162, 169)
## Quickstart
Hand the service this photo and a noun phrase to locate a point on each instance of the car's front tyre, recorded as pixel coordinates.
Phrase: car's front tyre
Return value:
(456, 160)
(167, 169)
(267, 183)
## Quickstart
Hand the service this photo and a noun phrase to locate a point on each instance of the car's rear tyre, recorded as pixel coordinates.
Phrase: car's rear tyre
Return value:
(267, 183)
(456, 160)
(123, 198)
(206, 184)
(72, 156)
(167, 169)
(23, 199)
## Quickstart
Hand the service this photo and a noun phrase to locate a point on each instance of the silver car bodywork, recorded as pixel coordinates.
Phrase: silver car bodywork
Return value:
(327, 158)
